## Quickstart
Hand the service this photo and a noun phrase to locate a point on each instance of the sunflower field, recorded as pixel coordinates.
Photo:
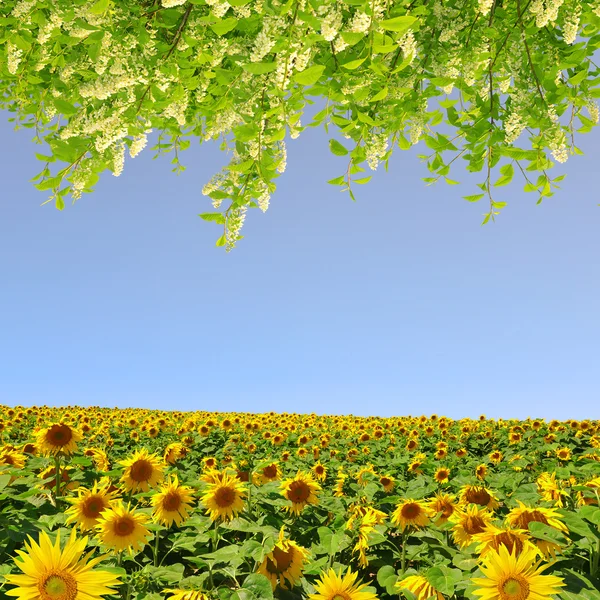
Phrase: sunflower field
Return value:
(152, 505)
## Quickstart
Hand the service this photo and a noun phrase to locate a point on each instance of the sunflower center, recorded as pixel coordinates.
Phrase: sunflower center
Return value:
(282, 562)
(58, 586)
(224, 497)
(514, 588)
(124, 526)
(527, 517)
(141, 470)
(172, 502)
(473, 525)
(298, 492)
(92, 507)
(446, 510)
(59, 435)
(510, 541)
(270, 471)
(478, 496)
(341, 597)
(411, 510)
(385, 481)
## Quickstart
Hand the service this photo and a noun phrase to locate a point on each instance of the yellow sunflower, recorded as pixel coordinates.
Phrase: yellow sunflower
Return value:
(511, 577)
(284, 563)
(301, 491)
(387, 482)
(492, 537)
(54, 574)
(174, 452)
(444, 505)
(177, 594)
(271, 472)
(476, 494)
(142, 471)
(481, 471)
(320, 472)
(88, 505)
(333, 586)
(172, 503)
(58, 438)
(224, 498)
(11, 457)
(469, 522)
(122, 528)
(522, 515)
(442, 475)
(411, 513)
(419, 586)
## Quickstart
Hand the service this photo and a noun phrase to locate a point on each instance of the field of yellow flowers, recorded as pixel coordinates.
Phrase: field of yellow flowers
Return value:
(151, 505)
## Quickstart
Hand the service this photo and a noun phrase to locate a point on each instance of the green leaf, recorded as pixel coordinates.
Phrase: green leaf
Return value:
(309, 76)
(66, 108)
(224, 26)
(398, 24)
(260, 67)
(337, 148)
(507, 172)
(100, 7)
(214, 217)
(255, 587)
(353, 64)
(221, 241)
(474, 197)
(444, 579)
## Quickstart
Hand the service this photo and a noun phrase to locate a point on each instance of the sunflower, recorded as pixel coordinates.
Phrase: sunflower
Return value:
(411, 512)
(178, 594)
(476, 494)
(88, 505)
(388, 483)
(54, 574)
(333, 586)
(270, 472)
(522, 515)
(442, 475)
(550, 489)
(58, 438)
(173, 452)
(172, 503)
(419, 586)
(10, 457)
(224, 498)
(492, 537)
(320, 472)
(496, 456)
(481, 471)
(511, 577)
(300, 491)
(284, 563)
(120, 527)
(469, 522)
(142, 471)
(444, 505)
(563, 454)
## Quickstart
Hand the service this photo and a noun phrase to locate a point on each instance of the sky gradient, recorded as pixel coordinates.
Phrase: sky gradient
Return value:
(398, 304)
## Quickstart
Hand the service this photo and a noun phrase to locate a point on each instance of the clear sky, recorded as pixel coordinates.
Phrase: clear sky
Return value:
(400, 303)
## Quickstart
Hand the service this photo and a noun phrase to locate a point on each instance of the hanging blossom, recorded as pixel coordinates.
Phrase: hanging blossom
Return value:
(571, 24)
(485, 6)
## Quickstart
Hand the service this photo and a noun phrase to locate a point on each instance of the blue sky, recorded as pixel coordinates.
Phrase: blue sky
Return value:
(400, 303)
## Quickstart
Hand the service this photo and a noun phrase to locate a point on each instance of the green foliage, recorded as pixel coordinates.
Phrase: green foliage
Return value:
(504, 86)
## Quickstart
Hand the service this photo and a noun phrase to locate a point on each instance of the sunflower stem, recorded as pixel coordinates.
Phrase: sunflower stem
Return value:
(156, 543)
(57, 475)
(403, 551)
(595, 559)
